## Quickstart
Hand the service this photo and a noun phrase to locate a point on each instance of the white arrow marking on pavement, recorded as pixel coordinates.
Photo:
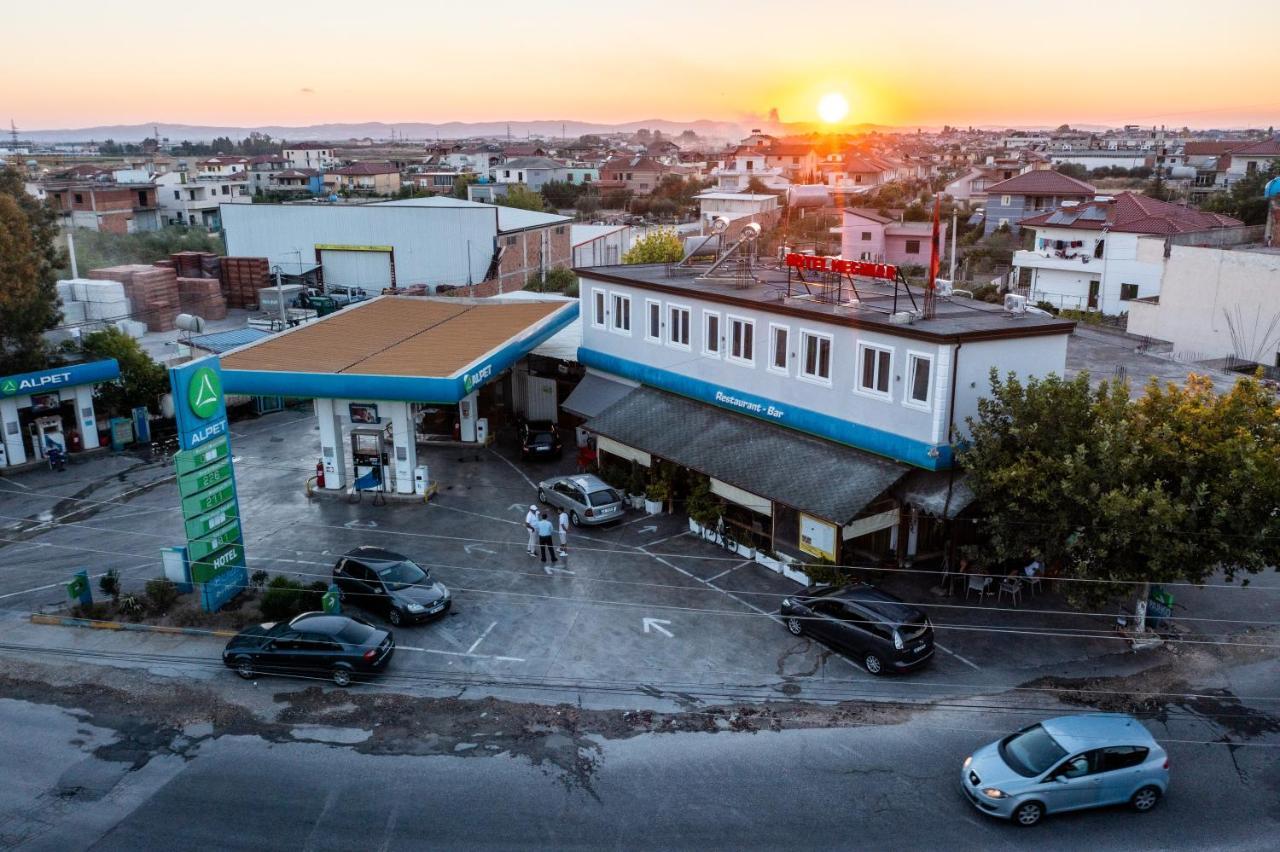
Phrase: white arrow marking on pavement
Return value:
(354, 524)
(519, 507)
(656, 624)
(551, 569)
(469, 548)
(647, 529)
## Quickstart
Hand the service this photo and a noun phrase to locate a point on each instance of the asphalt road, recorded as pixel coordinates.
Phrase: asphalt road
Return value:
(878, 787)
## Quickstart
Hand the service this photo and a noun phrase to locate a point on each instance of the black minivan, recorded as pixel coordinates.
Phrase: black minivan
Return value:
(882, 632)
(385, 581)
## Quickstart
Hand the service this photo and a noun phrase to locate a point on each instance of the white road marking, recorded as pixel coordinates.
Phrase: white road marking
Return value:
(668, 538)
(656, 625)
(711, 585)
(636, 520)
(648, 529)
(15, 482)
(512, 465)
(552, 569)
(44, 588)
(946, 650)
(728, 570)
(461, 654)
(475, 548)
(476, 644)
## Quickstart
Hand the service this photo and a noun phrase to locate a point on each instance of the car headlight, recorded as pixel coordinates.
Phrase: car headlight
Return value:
(413, 607)
(993, 793)
(786, 601)
(968, 760)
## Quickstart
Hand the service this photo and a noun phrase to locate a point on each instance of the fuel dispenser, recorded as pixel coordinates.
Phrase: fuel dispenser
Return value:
(47, 434)
(369, 458)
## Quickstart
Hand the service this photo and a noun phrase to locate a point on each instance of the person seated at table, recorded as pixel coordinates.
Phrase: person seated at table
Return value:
(1035, 569)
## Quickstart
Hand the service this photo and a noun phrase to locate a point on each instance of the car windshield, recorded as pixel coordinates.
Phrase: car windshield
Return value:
(355, 633)
(543, 438)
(399, 575)
(603, 497)
(1031, 752)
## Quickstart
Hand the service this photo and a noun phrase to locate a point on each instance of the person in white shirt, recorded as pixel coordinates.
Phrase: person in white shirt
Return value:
(563, 525)
(531, 524)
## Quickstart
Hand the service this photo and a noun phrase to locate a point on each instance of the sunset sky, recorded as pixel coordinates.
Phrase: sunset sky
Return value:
(84, 62)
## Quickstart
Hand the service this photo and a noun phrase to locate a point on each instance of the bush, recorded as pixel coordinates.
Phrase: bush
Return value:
(824, 571)
(258, 579)
(161, 594)
(1047, 306)
(131, 607)
(701, 505)
(109, 583)
(282, 600)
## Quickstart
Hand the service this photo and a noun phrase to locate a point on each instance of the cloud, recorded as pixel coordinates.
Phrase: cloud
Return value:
(307, 91)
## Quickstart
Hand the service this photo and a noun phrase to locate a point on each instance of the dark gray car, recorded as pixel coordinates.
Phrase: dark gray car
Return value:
(386, 582)
(588, 499)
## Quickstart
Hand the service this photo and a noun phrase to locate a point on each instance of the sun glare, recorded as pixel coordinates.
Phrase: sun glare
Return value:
(832, 108)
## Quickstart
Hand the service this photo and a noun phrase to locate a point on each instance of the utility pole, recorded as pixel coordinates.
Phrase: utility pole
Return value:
(952, 274)
(284, 323)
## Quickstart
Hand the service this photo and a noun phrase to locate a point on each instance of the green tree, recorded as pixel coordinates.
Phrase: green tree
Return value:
(617, 199)
(587, 206)
(1244, 200)
(755, 186)
(660, 246)
(1074, 170)
(460, 184)
(519, 195)
(1165, 489)
(142, 381)
(28, 260)
(98, 248)
(560, 194)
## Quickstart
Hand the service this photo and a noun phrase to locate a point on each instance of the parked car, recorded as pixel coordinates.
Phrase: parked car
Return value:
(881, 631)
(1067, 764)
(393, 585)
(539, 439)
(346, 295)
(312, 643)
(587, 498)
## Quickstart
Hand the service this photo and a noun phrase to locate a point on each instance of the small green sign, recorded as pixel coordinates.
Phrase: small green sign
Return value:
(205, 524)
(207, 501)
(200, 548)
(10, 387)
(189, 460)
(204, 392)
(205, 569)
(203, 479)
(78, 586)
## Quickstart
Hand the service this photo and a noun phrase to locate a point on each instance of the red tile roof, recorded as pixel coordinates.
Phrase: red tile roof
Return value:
(1265, 148)
(356, 169)
(1210, 148)
(1133, 214)
(1042, 182)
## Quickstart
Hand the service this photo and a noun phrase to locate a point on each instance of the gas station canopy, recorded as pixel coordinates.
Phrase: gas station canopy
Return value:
(406, 348)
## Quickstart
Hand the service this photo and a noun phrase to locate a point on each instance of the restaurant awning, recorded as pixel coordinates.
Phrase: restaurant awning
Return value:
(817, 477)
(594, 394)
(927, 491)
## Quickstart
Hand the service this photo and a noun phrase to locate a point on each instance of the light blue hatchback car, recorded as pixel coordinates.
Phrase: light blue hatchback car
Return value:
(1067, 764)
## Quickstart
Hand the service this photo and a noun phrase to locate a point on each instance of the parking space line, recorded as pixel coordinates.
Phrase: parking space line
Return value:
(43, 588)
(476, 644)
(711, 585)
(668, 538)
(461, 654)
(512, 465)
(15, 482)
(728, 570)
(946, 650)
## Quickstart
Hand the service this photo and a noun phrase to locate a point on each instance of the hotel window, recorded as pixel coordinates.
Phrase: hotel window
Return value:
(919, 379)
(621, 313)
(875, 371)
(711, 334)
(597, 308)
(913, 247)
(778, 344)
(653, 321)
(815, 350)
(678, 327)
(742, 340)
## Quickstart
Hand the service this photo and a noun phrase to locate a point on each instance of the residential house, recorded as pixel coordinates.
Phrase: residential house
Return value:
(364, 179)
(797, 162)
(432, 180)
(186, 199)
(637, 173)
(535, 172)
(310, 155)
(1030, 194)
(223, 165)
(1087, 257)
(866, 235)
(971, 187)
(263, 169)
(744, 164)
(102, 204)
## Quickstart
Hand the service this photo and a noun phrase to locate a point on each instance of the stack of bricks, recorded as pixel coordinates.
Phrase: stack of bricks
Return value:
(202, 297)
(242, 278)
(152, 292)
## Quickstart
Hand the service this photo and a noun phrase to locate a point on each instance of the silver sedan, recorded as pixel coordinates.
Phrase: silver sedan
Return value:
(588, 499)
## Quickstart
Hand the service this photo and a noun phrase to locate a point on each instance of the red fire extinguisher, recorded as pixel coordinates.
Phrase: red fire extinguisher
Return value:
(320, 474)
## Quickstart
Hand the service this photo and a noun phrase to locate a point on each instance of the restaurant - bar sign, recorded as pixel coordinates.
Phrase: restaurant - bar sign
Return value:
(840, 266)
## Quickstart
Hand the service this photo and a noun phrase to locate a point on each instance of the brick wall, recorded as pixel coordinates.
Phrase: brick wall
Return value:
(523, 254)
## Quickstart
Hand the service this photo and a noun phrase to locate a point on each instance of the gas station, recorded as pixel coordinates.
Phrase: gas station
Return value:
(394, 372)
(50, 409)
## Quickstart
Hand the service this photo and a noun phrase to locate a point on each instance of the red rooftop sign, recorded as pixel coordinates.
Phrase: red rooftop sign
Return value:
(842, 267)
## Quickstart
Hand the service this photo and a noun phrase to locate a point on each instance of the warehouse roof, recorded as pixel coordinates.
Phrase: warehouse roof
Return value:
(509, 218)
(420, 349)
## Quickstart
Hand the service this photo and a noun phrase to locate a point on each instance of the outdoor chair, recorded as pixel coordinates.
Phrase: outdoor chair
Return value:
(977, 583)
(1013, 588)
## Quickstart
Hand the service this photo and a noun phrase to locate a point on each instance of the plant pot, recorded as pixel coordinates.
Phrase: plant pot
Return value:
(636, 501)
(653, 507)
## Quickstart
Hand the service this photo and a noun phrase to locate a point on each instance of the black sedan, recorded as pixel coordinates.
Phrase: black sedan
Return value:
(314, 643)
(387, 582)
(539, 440)
(882, 632)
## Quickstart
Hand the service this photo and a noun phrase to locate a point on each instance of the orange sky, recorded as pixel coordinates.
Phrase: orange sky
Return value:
(928, 62)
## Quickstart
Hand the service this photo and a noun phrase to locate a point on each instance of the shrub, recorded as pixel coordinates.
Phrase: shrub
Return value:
(635, 484)
(824, 571)
(282, 600)
(1047, 306)
(161, 593)
(700, 505)
(109, 583)
(131, 607)
(258, 579)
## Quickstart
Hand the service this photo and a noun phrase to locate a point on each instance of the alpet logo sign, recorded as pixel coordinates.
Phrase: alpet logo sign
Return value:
(204, 393)
(471, 381)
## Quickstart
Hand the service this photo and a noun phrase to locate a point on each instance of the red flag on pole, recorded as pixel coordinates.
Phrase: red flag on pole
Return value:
(935, 258)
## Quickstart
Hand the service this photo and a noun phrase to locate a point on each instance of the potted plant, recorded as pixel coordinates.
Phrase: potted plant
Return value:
(635, 487)
(656, 494)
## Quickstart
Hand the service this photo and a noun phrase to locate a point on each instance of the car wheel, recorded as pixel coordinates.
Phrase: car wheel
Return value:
(542, 496)
(244, 668)
(873, 664)
(1145, 799)
(1028, 814)
(573, 519)
(393, 615)
(341, 676)
(794, 625)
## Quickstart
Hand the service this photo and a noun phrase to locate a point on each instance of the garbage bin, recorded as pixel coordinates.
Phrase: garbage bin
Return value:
(420, 479)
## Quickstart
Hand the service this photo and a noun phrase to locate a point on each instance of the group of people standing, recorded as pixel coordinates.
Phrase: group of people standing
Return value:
(541, 530)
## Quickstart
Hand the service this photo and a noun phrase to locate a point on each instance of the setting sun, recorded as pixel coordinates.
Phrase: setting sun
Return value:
(832, 108)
